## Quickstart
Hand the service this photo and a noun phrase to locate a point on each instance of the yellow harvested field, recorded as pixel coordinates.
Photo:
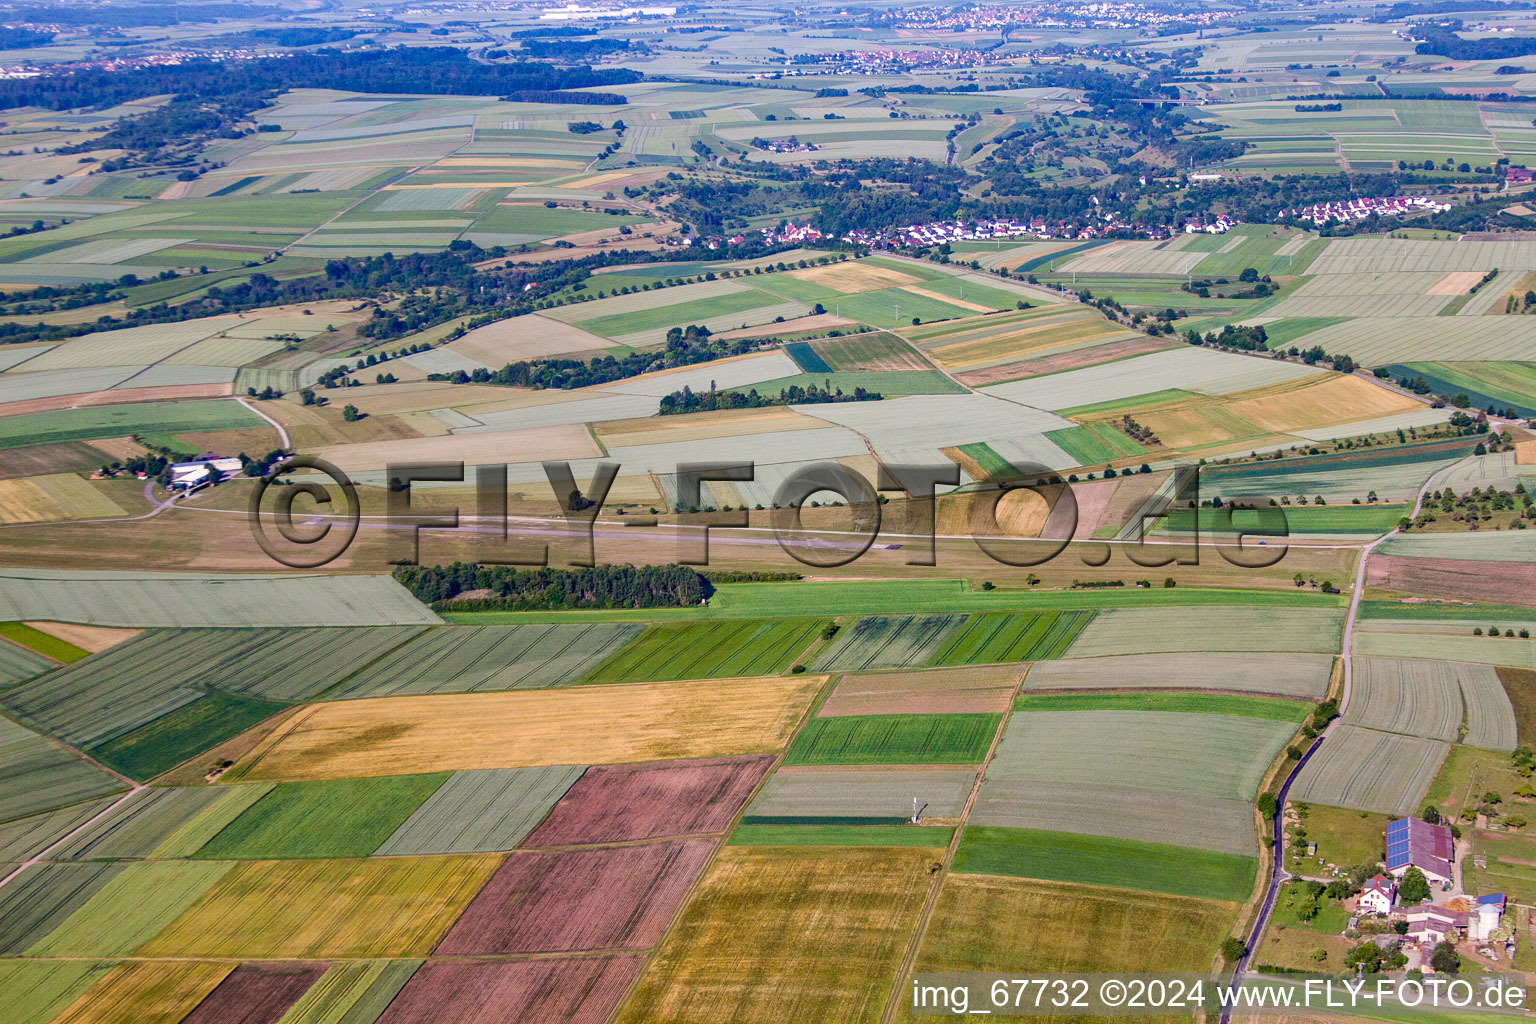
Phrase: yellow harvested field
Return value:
(786, 934)
(855, 276)
(535, 444)
(87, 638)
(1198, 425)
(1321, 403)
(525, 337)
(1516, 290)
(425, 395)
(311, 909)
(145, 993)
(1525, 453)
(594, 180)
(38, 499)
(1020, 513)
(929, 293)
(703, 425)
(580, 725)
(1455, 283)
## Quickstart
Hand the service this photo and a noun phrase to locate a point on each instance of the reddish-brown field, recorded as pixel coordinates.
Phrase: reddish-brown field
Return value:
(579, 991)
(944, 691)
(1071, 360)
(1461, 579)
(614, 898)
(615, 803)
(256, 994)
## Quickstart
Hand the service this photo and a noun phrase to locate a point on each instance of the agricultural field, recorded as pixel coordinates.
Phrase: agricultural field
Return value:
(1279, 675)
(1049, 926)
(1370, 771)
(463, 732)
(709, 650)
(775, 932)
(1126, 758)
(140, 599)
(1095, 860)
(476, 659)
(1127, 631)
(233, 792)
(975, 690)
(894, 739)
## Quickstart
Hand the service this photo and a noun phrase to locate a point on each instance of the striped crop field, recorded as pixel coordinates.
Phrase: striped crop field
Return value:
(888, 641)
(330, 818)
(1282, 675)
(992, 637)
(479, 812)
(312, 909)
(705, 650)
(1402, 695)
(1099, 860)
(146, 991)
(475, 659)
(1120, 631)
(45, 774)
(777, 933)
(894, 739)
(1370, 771)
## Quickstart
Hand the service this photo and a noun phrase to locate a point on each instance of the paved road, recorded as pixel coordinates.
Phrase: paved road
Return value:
(1279, 875)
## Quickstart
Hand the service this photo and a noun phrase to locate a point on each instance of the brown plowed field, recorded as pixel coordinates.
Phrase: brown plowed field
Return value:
(648, 801)
(612, 898)
(582, 991)
(1461, 579)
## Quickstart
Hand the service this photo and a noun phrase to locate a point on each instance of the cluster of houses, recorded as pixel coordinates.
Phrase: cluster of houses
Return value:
(789, 145)
(1219, 226)
(881, 61)
(1414, 843)
(939, 232)
(1071, 14)
(1360, 209)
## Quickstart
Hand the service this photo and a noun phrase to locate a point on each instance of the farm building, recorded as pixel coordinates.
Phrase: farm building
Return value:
(1431, 926)
(1485, 921)
(190, 474)
(1376, 897)
(1415, 843)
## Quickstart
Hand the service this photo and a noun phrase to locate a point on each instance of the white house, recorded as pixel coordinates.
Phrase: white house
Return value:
(1376, 897)
(190, 474)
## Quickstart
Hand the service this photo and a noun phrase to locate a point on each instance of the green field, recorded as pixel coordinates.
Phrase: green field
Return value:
(1099, 860)
(1011, 636)
(44, 644)
(740, 647)
(121, 420)
(1299, 519)
(839, 835)
(186, 732)
(894, 739)
(1095, 443)
(332, 818)
(1199, 703)
(874, 597)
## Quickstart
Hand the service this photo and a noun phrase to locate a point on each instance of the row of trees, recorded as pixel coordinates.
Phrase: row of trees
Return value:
(508, 588)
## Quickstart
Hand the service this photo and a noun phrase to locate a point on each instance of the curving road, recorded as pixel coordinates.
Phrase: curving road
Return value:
(1278, 876)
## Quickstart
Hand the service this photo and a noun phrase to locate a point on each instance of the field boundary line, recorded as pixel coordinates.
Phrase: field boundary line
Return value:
(649, 955)
(946, 861)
